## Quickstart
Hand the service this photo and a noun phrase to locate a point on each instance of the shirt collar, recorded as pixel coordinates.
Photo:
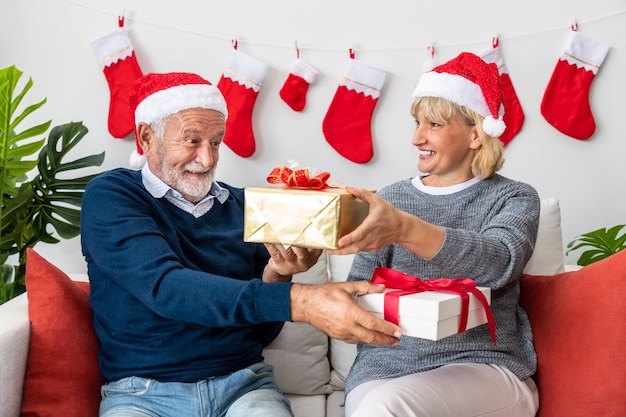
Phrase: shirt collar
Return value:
(417, 183)
(158, 189)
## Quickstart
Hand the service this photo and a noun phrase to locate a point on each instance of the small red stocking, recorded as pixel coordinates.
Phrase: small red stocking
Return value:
(240, 84)
(513, 113)
(565, 103)
(297, 83)
(116, 57)
(347, 124)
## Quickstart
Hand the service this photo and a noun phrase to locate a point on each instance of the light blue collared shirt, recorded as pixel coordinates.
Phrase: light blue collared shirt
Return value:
(159, 189)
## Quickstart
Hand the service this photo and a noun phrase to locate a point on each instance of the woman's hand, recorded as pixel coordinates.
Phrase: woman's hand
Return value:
(385, 225)
(382, 226)
(284, 262)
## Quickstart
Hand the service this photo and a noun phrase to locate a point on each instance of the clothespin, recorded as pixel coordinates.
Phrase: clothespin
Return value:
(495, 42)
(431, 49)
(430, 64)
(352, 51)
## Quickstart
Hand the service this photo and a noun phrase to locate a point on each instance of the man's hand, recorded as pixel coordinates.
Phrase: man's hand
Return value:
(332, 309)
(284, 262)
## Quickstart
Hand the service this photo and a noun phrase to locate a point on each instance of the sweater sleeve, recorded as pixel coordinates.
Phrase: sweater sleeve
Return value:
(130, 249)
(494, 251)
(490, 233)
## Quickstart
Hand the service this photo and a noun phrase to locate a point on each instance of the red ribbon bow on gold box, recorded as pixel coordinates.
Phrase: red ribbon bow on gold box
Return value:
(298, 178)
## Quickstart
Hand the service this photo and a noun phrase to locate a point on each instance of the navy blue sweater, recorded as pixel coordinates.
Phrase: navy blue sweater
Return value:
(175, 298)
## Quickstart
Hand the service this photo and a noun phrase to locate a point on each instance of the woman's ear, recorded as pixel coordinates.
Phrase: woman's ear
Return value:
(475, 140)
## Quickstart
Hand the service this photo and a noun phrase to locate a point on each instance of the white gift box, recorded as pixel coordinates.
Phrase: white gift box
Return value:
(430, 314)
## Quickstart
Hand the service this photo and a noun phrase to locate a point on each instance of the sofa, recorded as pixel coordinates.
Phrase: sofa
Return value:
(48, 349)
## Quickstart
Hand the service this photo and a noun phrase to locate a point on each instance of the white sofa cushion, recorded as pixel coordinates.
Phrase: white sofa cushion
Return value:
(342, 354)
(548, 256)
(308, 405)
(300, 352)
(15, 336)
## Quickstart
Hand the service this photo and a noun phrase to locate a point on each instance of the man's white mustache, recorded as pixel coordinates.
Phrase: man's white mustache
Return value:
(197, 169)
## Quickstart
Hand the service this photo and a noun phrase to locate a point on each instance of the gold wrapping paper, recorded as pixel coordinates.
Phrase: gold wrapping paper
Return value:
(301, 217)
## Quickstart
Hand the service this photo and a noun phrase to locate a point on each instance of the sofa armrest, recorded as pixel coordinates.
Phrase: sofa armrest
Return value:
(571, 267)
(14, 343)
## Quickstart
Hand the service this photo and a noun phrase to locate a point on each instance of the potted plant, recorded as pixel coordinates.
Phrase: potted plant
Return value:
(48, 201)
(602, 243)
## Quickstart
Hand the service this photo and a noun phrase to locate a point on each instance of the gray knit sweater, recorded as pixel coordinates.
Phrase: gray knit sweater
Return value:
(491, 229)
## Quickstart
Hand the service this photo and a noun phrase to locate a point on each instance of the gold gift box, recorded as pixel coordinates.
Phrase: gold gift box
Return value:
(301, 217)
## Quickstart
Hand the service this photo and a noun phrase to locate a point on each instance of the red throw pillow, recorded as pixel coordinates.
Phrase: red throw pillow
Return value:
(62, 376)
(578, 324)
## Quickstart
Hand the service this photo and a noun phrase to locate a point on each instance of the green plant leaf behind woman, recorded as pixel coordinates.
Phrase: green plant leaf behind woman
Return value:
(601, 244)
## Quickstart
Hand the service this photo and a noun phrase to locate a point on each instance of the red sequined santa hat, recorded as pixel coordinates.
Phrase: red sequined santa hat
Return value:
(470, 82)
(155, 96)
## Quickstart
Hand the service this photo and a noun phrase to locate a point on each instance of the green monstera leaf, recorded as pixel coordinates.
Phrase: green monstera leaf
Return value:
(602, 243)
(40, 200)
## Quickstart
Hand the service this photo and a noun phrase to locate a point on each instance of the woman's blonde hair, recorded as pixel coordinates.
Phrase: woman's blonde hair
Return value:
(488, 159)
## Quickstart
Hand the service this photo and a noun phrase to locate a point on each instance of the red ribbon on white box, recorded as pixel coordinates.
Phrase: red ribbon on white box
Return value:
(405, 284)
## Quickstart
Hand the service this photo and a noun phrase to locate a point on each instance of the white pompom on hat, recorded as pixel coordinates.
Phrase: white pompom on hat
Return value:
(158, 95)
(468, 81)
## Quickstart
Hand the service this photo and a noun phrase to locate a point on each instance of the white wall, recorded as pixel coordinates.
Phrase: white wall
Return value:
(49, 40)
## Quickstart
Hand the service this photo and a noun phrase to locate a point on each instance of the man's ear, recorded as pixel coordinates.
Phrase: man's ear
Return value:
(145, 137)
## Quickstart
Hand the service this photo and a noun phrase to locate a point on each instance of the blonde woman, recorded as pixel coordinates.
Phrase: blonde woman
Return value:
(457, 219)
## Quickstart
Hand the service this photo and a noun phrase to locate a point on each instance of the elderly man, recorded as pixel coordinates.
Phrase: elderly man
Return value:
(182, 305)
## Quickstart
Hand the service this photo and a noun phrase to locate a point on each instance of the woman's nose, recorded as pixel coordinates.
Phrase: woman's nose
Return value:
(417, 136)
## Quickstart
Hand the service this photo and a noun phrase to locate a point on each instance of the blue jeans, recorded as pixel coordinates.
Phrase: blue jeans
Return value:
(251, 392)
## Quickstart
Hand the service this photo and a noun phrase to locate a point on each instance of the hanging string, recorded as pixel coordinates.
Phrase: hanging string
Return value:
(276, 45)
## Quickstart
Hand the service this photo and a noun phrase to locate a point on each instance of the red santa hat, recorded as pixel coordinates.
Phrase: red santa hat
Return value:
(155, 96)
(468, 81)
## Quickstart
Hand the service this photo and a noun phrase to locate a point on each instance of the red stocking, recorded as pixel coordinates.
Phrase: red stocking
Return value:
(347, 124)
(116, 57)
(513, 113)
(297, 83)
(565, 103)
(240, 84)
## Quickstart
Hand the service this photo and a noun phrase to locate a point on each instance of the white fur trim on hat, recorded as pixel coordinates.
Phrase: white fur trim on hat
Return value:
(137, 161)
(461, 91)
(493, 127)
(166, 102)
(453, 88)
